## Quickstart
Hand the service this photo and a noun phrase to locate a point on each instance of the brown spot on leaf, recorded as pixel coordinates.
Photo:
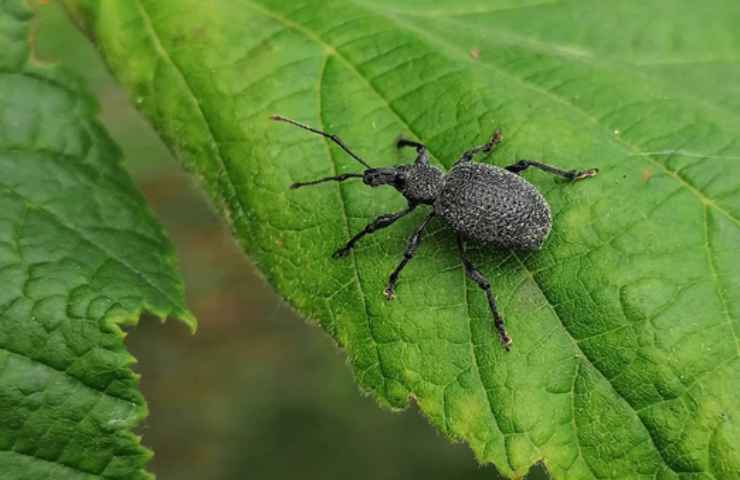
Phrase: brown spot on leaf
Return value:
(646, 175)
(475, 53)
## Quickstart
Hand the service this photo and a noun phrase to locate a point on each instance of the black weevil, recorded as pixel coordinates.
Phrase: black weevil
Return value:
(481, 202)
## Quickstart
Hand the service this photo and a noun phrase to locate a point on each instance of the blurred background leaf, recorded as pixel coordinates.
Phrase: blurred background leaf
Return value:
(81, 256)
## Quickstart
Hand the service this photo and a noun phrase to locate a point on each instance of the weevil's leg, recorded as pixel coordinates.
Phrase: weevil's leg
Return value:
(408, 254)
(468, 155)
(332, 137)
(475, 275)
(381, 222)
(405, 142)
(572, 175)
(421, 149)
(336, 178)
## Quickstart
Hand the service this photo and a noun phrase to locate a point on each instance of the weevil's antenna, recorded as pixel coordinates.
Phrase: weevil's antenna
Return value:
(336, 178)
(333, 138)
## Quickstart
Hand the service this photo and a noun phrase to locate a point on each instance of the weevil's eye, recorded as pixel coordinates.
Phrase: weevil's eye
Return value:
(379, 176)
(400, 180)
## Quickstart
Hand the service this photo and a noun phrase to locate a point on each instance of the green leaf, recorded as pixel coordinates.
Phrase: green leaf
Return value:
(80, 257)
(625, 325)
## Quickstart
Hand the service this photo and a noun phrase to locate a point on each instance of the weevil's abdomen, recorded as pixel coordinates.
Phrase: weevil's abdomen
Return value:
(491, 205)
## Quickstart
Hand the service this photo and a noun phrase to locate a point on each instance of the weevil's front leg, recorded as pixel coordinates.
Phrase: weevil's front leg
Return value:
(408, 254)
(475, 275)
(382, 221)
(571, 175)
(421, 150)
(468, 155)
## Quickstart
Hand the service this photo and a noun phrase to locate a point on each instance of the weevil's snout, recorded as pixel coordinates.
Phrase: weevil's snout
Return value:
(381, 176)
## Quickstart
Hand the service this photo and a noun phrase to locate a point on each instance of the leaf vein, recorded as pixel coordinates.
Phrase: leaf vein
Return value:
(715, 275)
(111, 256)
(583, 355)
(73, 468)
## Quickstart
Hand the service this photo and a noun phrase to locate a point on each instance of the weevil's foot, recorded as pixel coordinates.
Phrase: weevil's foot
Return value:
(389, 293)
(592, 172)
(496, 138)
(505, 342)
(341, 253)
(502, 335)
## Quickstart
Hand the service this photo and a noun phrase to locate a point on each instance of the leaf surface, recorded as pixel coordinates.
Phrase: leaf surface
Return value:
(625, 325)
(80, 256)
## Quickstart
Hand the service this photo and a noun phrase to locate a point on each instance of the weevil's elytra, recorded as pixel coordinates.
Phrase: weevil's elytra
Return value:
(489, 204)
(482, 203)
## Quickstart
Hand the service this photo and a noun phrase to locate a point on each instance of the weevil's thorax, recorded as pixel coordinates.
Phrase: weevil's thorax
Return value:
(420, 183)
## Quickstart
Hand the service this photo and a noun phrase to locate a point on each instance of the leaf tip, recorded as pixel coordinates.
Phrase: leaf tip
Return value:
(187, 317)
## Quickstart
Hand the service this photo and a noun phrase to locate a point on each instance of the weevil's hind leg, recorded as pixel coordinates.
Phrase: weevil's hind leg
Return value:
(382, 221)
(468, 155)
(571, 175)
(475, 275)
(421, 149)
(408, 254)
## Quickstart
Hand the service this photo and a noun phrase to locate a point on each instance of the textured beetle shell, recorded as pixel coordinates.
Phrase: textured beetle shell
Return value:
(491, 205)
(423, 183)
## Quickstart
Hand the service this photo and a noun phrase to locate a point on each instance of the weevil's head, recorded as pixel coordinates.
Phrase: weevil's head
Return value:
(418, 182)
(376, 177)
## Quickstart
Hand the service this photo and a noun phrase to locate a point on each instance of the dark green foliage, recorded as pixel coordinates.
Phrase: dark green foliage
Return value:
(80, 256)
